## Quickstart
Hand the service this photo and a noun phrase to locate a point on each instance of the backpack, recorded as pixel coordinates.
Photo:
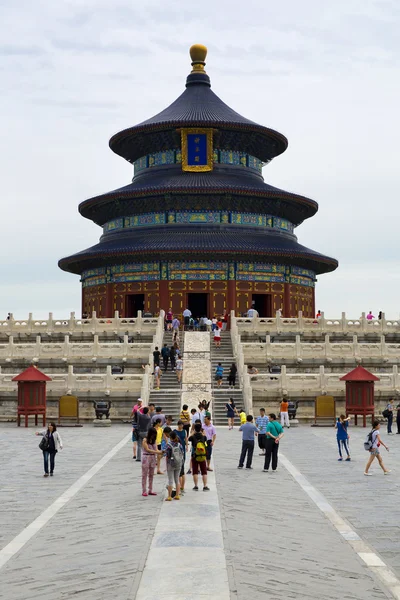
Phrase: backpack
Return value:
(200, 452)
(386, 413)
(176, 456)
(368, 441)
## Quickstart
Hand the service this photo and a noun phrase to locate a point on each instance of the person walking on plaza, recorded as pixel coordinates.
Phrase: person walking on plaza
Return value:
(199, 457)
(157, 377)
(159, 415)
(174, 457)
(50, 445)
(242, 416)
(249, 430)
(183, 439)
(274, 435)
(219, 374)
(217, 337)
(342, 436)
(138, 407)
(211, 434)
(284, 410)
(185, 418)
(150, 453)
(165, 356)
(261, 423)
(230, 413)
(376, 442)
(398, 418)
(232, 375)
(159, 430)
(143, 425)
(389, 413)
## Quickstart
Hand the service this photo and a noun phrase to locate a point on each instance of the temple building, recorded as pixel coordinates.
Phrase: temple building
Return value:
(198, 226)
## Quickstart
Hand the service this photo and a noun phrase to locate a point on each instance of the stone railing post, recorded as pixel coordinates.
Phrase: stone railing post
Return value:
(126, 346)
(10, 348)
(38, 346)
(50, 324)
(298, 349)
(322, 379)
(300, 324)
(396, 383)
(384, 354)
(67, 347)
(344, 323)
(328, 349)
(95, 347)
(109, 379)
(71, 384)
(356, 349)
(268, 350)
(72, 321)
(139, 320)
(146, 385)
(284, 381)
(364, 322)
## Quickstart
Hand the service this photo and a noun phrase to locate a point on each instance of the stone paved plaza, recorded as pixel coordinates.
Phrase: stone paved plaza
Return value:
(260, 536)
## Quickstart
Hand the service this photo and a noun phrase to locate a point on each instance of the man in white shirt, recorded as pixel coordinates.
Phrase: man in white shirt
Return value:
(186, 318)
(252, 313)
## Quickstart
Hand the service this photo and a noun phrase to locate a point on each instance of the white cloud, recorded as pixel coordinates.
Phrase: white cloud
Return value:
(72, 73)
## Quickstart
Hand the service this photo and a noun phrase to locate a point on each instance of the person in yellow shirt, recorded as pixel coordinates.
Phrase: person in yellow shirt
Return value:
(159, 429)
(242, 416)
(185, 418)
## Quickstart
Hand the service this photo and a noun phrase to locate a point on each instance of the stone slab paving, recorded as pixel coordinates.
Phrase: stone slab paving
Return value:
(370, 504)
(277, 542)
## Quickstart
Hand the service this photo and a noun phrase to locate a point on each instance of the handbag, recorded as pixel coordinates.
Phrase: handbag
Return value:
(44, 444)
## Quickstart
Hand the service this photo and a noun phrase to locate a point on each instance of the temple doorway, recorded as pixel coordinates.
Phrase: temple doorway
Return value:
(134, 302)
(198, 304)
(263, 304)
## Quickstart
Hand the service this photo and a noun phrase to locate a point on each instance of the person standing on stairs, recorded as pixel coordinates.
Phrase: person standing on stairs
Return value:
(217, 337)
(179, 369)
(156, 357)
(219, 374)
(157, 377)
(230, 412)
(232, 376)
(165, 356)
(186, 318)
(175, 326)
(172, 356)
(168, 318)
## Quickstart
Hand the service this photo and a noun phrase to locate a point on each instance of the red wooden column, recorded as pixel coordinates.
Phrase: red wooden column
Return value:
(286, 300)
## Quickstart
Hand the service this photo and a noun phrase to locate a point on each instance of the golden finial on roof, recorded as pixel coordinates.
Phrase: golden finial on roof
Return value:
(198, 54)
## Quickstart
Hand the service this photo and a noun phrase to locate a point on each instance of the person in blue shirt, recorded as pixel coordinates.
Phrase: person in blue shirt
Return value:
(262, 422)
(249, 430)
(342, 436)
(219, 374)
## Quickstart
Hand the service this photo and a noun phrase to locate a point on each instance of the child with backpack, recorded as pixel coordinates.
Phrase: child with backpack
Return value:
(174, 456)
(199, 457)
(372, 444)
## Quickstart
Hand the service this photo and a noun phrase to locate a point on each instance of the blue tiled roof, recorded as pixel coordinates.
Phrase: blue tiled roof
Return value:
(231, 180)
(161, 242)
(197, 106)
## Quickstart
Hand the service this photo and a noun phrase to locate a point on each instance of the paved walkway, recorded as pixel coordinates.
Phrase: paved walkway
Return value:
(265, 536)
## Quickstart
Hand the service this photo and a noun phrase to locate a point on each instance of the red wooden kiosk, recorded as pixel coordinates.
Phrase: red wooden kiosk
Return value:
(360, 393)
(31, 394)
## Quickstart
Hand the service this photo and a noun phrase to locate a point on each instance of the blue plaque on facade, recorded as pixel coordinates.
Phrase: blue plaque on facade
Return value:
(197, 149)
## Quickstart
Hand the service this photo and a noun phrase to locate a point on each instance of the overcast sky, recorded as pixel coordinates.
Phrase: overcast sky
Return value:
(325, 74)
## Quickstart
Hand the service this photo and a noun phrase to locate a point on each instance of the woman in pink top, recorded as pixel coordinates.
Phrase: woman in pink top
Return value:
(370, 316)
(149, 460)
